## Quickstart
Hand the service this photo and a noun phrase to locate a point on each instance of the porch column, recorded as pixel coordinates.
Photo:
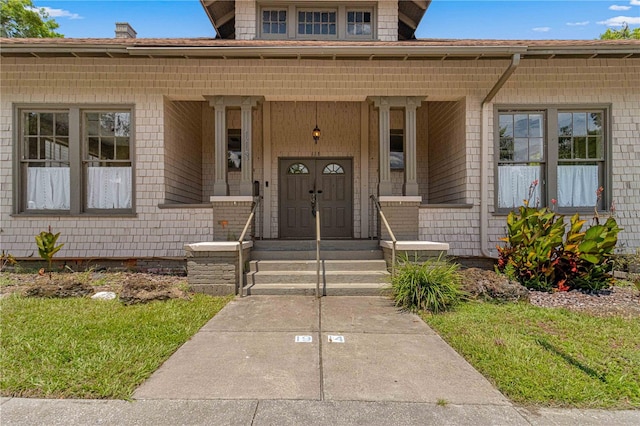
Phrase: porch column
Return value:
(385, 187)
(410, 153)
(246, 104)
(220, 186)
(246, 166)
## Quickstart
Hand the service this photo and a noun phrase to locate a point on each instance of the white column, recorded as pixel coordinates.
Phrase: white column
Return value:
(364, 171)
(410, 153)
(246, 167)
(267, 171)
(220, 186)
(385, 186)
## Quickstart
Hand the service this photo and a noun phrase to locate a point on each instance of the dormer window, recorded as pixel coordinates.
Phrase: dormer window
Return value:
(274, 21)
(359, 23)
(328, 22)
(317, 23)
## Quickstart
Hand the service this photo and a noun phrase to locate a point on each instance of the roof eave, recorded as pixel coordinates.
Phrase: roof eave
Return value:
(314, 51)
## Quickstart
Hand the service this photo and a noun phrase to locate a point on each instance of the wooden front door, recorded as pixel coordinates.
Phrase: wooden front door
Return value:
(331, 179)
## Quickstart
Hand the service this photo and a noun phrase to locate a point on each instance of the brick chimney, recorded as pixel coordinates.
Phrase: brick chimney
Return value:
(124, 30)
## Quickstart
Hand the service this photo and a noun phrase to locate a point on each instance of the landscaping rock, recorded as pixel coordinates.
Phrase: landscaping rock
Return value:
(488, 285)
(143, 290)
(104, 295)
(59, 287)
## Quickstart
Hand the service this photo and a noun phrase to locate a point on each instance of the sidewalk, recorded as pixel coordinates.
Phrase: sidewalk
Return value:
(359, 361)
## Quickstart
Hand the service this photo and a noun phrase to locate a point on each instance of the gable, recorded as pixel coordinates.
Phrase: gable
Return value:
(222, 14)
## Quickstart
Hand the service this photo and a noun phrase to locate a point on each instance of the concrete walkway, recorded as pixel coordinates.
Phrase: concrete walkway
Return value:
(296, 360)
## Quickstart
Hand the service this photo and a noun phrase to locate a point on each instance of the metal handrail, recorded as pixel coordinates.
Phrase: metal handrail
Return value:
(391, 234)
(318, 253)
(256, 202)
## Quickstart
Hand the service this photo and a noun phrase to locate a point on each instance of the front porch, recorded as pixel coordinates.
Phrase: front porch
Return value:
(408, 151)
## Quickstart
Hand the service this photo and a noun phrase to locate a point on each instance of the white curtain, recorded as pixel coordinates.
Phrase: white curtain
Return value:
(577, 186)
(48, 188)
(514, 183)
(109, 188)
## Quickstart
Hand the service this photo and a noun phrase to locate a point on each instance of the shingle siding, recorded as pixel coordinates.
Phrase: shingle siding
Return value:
(149, 84)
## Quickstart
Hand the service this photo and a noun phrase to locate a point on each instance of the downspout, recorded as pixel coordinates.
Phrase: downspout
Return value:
(484, 154)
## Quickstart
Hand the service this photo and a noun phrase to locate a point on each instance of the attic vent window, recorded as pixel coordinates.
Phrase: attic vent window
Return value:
(274, 21)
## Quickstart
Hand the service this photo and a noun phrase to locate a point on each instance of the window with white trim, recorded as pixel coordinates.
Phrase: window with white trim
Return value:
(562, 149)
(75, 160)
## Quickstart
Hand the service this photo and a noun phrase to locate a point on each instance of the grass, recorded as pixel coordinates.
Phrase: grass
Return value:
(549, 357)
(81, 348)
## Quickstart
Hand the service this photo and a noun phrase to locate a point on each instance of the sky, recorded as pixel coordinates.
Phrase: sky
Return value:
(496, 19)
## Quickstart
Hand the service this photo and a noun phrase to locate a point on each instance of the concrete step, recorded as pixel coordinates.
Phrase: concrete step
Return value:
(310, 245)
(310, 277)
(310, 265)
(337, 289)
(311, 254)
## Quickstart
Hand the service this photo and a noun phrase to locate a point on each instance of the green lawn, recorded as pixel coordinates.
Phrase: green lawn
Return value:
(550, 357)
(82, 348)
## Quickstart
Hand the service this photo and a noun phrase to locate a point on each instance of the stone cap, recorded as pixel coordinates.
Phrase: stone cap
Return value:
(415, 245)
(400, 199)
(217, 246)
(231, 198)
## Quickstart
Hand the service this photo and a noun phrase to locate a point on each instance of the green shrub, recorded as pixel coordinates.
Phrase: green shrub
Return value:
(432, 286)
(587, 258)
(46, 242)
(541, 257)
(534, 239)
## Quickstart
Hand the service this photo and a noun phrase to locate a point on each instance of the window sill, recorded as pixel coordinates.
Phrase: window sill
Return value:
(184, 206)
(81, 215)
(446, 206)
(564, 212)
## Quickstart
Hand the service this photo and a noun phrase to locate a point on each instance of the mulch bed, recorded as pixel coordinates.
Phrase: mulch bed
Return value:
(131, 288)
(141, 288)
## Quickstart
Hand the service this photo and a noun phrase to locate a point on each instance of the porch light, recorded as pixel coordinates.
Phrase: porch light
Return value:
(316, 130)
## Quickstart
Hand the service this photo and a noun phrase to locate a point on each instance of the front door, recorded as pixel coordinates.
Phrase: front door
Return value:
(330, 179)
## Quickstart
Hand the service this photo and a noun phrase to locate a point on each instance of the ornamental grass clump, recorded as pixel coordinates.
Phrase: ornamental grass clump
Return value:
(434, 285)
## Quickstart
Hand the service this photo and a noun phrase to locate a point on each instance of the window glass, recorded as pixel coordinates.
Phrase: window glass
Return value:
(274, 21)
(317, 23)
(333, 169)
(45, 158)
(298, 169)
(396, 144)
(521, 158)
(359, 23)
(102, 158)
(234, 149)
(522, 154)
(580, 158)
(107, 160)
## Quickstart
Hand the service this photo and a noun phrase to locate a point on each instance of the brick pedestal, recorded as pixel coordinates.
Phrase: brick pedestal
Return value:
(213, 268)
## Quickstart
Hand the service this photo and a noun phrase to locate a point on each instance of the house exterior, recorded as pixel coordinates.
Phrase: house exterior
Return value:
(133, 147)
